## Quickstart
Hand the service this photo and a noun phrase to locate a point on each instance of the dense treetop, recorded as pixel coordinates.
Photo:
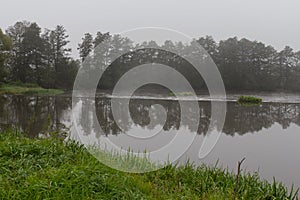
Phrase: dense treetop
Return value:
(30, 55)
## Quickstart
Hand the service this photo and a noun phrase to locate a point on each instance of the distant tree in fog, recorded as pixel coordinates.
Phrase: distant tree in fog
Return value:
(244, 64)
(86, 46)
(43, 57)
(5, 46)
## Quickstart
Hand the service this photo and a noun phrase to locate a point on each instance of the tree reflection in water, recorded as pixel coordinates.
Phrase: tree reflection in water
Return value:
(39, 114)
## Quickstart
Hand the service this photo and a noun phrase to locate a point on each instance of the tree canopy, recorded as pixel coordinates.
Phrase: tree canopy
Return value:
(5, 47)
(30, 54)
(41, 57)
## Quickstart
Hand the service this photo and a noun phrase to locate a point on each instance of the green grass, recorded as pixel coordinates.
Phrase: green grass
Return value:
(249, 100)
(52, 169)
(181, 94)
(27, 89)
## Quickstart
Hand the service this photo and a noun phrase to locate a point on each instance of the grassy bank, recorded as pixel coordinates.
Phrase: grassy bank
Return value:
(52, 169)
(27, 89)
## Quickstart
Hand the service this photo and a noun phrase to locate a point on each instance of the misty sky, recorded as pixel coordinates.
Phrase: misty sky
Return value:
(274, 22)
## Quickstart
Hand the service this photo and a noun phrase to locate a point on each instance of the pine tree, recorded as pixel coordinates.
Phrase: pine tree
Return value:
(86, 47)
(5, 47)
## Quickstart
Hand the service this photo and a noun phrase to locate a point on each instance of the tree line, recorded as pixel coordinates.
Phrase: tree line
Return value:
(243, 64)
(30, 55)
(33, 56)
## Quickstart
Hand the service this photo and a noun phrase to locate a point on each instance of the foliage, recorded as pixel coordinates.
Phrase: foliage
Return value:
(53, 169)
(5, 46)
(243, 64)
(39, 57)
(86, 47)
(249, 100)
(43, 58)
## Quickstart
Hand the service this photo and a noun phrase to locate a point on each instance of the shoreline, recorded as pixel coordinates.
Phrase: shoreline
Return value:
(16, 89)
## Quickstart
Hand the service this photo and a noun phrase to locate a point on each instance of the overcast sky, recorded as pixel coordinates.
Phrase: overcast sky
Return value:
(275, 22)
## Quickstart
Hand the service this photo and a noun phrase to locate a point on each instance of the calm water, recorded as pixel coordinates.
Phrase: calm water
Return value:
(267, 135)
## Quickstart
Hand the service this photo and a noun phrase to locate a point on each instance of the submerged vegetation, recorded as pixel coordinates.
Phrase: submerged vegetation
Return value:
(249, 100)
(27, 89)
(50, 168)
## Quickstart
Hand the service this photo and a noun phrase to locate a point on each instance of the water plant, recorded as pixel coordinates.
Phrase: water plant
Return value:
(249, 100)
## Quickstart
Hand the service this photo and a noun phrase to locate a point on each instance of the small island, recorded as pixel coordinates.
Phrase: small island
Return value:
(249, 100)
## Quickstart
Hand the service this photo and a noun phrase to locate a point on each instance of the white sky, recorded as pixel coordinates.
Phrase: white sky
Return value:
(274, 22)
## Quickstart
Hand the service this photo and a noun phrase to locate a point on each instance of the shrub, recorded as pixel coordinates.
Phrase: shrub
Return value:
(249, 100)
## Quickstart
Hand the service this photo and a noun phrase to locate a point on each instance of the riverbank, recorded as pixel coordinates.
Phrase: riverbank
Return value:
(27, 89)
(51, 168)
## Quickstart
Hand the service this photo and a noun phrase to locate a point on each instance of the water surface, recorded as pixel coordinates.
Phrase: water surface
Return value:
(267, 135)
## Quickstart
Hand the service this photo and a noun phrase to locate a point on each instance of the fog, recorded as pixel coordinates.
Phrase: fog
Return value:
(274, 22)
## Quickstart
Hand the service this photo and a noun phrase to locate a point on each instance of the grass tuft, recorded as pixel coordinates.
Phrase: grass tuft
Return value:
(249, 100)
